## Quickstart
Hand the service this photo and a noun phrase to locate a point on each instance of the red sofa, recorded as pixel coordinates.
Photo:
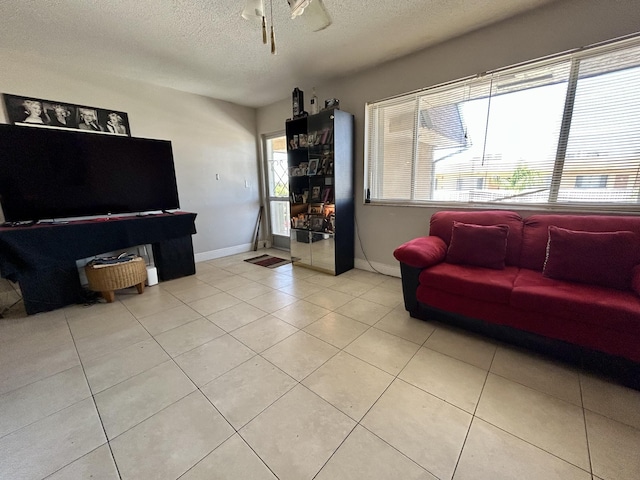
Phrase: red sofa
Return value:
(586, 295)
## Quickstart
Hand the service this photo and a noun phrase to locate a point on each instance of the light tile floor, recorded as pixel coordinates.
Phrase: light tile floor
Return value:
(243, 372)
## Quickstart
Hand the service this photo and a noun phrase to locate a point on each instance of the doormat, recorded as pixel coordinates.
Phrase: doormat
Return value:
(268, 261)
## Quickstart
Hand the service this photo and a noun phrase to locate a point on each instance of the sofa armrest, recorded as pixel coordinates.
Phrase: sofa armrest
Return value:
(410, 284)
(421, 252)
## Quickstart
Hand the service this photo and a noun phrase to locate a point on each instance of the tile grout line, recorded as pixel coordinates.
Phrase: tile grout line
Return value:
(473, 415)
(358, 422)
(237, 431)
(93, 398)
(586, 429)
(52, 413)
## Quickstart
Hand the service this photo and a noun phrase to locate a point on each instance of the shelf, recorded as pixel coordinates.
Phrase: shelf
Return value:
(328, 140)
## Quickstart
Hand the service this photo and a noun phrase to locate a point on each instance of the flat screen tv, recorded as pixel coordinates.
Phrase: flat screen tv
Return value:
(55, 174)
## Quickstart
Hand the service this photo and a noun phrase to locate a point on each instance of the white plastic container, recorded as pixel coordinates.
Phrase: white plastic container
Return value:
(152, 276)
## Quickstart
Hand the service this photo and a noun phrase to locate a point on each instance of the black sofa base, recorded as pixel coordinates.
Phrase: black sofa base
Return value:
(619, 369)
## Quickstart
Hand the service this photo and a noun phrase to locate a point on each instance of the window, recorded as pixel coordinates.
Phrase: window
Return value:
(591, 181)
(558, 132)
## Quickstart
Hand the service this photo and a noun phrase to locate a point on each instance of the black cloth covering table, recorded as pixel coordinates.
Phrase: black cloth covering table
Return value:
(42, 258)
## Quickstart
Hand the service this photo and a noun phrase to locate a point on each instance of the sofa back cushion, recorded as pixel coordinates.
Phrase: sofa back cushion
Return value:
(597, 258)
(478, 245)
(441, 225)
(535, 234)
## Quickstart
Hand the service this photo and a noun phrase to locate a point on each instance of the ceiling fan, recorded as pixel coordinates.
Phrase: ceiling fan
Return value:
(313, 13)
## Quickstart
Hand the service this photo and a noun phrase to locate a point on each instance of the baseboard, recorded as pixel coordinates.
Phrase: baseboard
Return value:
(392, 270)
(222, 252)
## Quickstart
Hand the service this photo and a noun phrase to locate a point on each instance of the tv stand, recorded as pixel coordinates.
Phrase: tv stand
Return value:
(42, 258)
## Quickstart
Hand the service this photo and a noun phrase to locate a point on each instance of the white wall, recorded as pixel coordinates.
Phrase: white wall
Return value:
(208, 137)
(552, 29)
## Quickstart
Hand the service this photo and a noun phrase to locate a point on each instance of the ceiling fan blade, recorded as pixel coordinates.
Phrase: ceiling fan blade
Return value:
(253, 10)
(316, 16)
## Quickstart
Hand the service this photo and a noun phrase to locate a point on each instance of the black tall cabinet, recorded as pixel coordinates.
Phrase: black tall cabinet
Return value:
(321, 164)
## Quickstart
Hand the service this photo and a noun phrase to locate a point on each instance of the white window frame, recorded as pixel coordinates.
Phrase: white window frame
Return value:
(370, 151)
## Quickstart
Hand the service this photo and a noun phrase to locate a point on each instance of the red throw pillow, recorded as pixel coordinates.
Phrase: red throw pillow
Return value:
(598, 258)
(479, 245)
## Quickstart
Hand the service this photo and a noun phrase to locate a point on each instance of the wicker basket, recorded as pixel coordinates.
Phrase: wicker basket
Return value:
(107, 278)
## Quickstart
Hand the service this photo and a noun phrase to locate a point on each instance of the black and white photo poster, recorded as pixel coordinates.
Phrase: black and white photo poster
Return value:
(37, 112)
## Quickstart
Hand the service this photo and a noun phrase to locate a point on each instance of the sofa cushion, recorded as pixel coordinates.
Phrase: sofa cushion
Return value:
(475, 282)
(441, 225)
(591, 336)
(479, 245)
(592, 304)
(535, 234)
(421, 252)
(597, 258)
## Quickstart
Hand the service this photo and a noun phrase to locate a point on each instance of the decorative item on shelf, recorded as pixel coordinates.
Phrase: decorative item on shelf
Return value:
(328, 209)
(302, 140)
(316, 208)
(324, 164)
(316, 223)
(293, 142)
(297, 102)
(313, 102)
(327, 196)
(313, 167)
(326, 136)
(329, 169)
(331, 103)
(316, 196)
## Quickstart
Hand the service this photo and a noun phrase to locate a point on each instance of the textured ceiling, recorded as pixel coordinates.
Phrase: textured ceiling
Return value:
(205, 47)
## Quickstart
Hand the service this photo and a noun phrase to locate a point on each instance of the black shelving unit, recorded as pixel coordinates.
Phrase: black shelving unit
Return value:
(320, 159)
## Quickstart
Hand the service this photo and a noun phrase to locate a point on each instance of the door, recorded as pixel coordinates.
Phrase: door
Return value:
(275, 148)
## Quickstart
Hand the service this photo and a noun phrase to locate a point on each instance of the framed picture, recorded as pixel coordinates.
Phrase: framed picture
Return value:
(38, 112)
(329, 168)
(316, 223)
(313, 166)
(316, 194)
(316, 208)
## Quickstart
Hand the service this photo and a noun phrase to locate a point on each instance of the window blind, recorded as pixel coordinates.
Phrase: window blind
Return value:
(558, 132)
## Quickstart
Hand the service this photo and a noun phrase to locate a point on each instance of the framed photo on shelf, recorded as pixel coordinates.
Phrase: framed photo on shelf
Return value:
(313, 166)
(316, 223)
(316, 194)
(316, 208)
(329, 169)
